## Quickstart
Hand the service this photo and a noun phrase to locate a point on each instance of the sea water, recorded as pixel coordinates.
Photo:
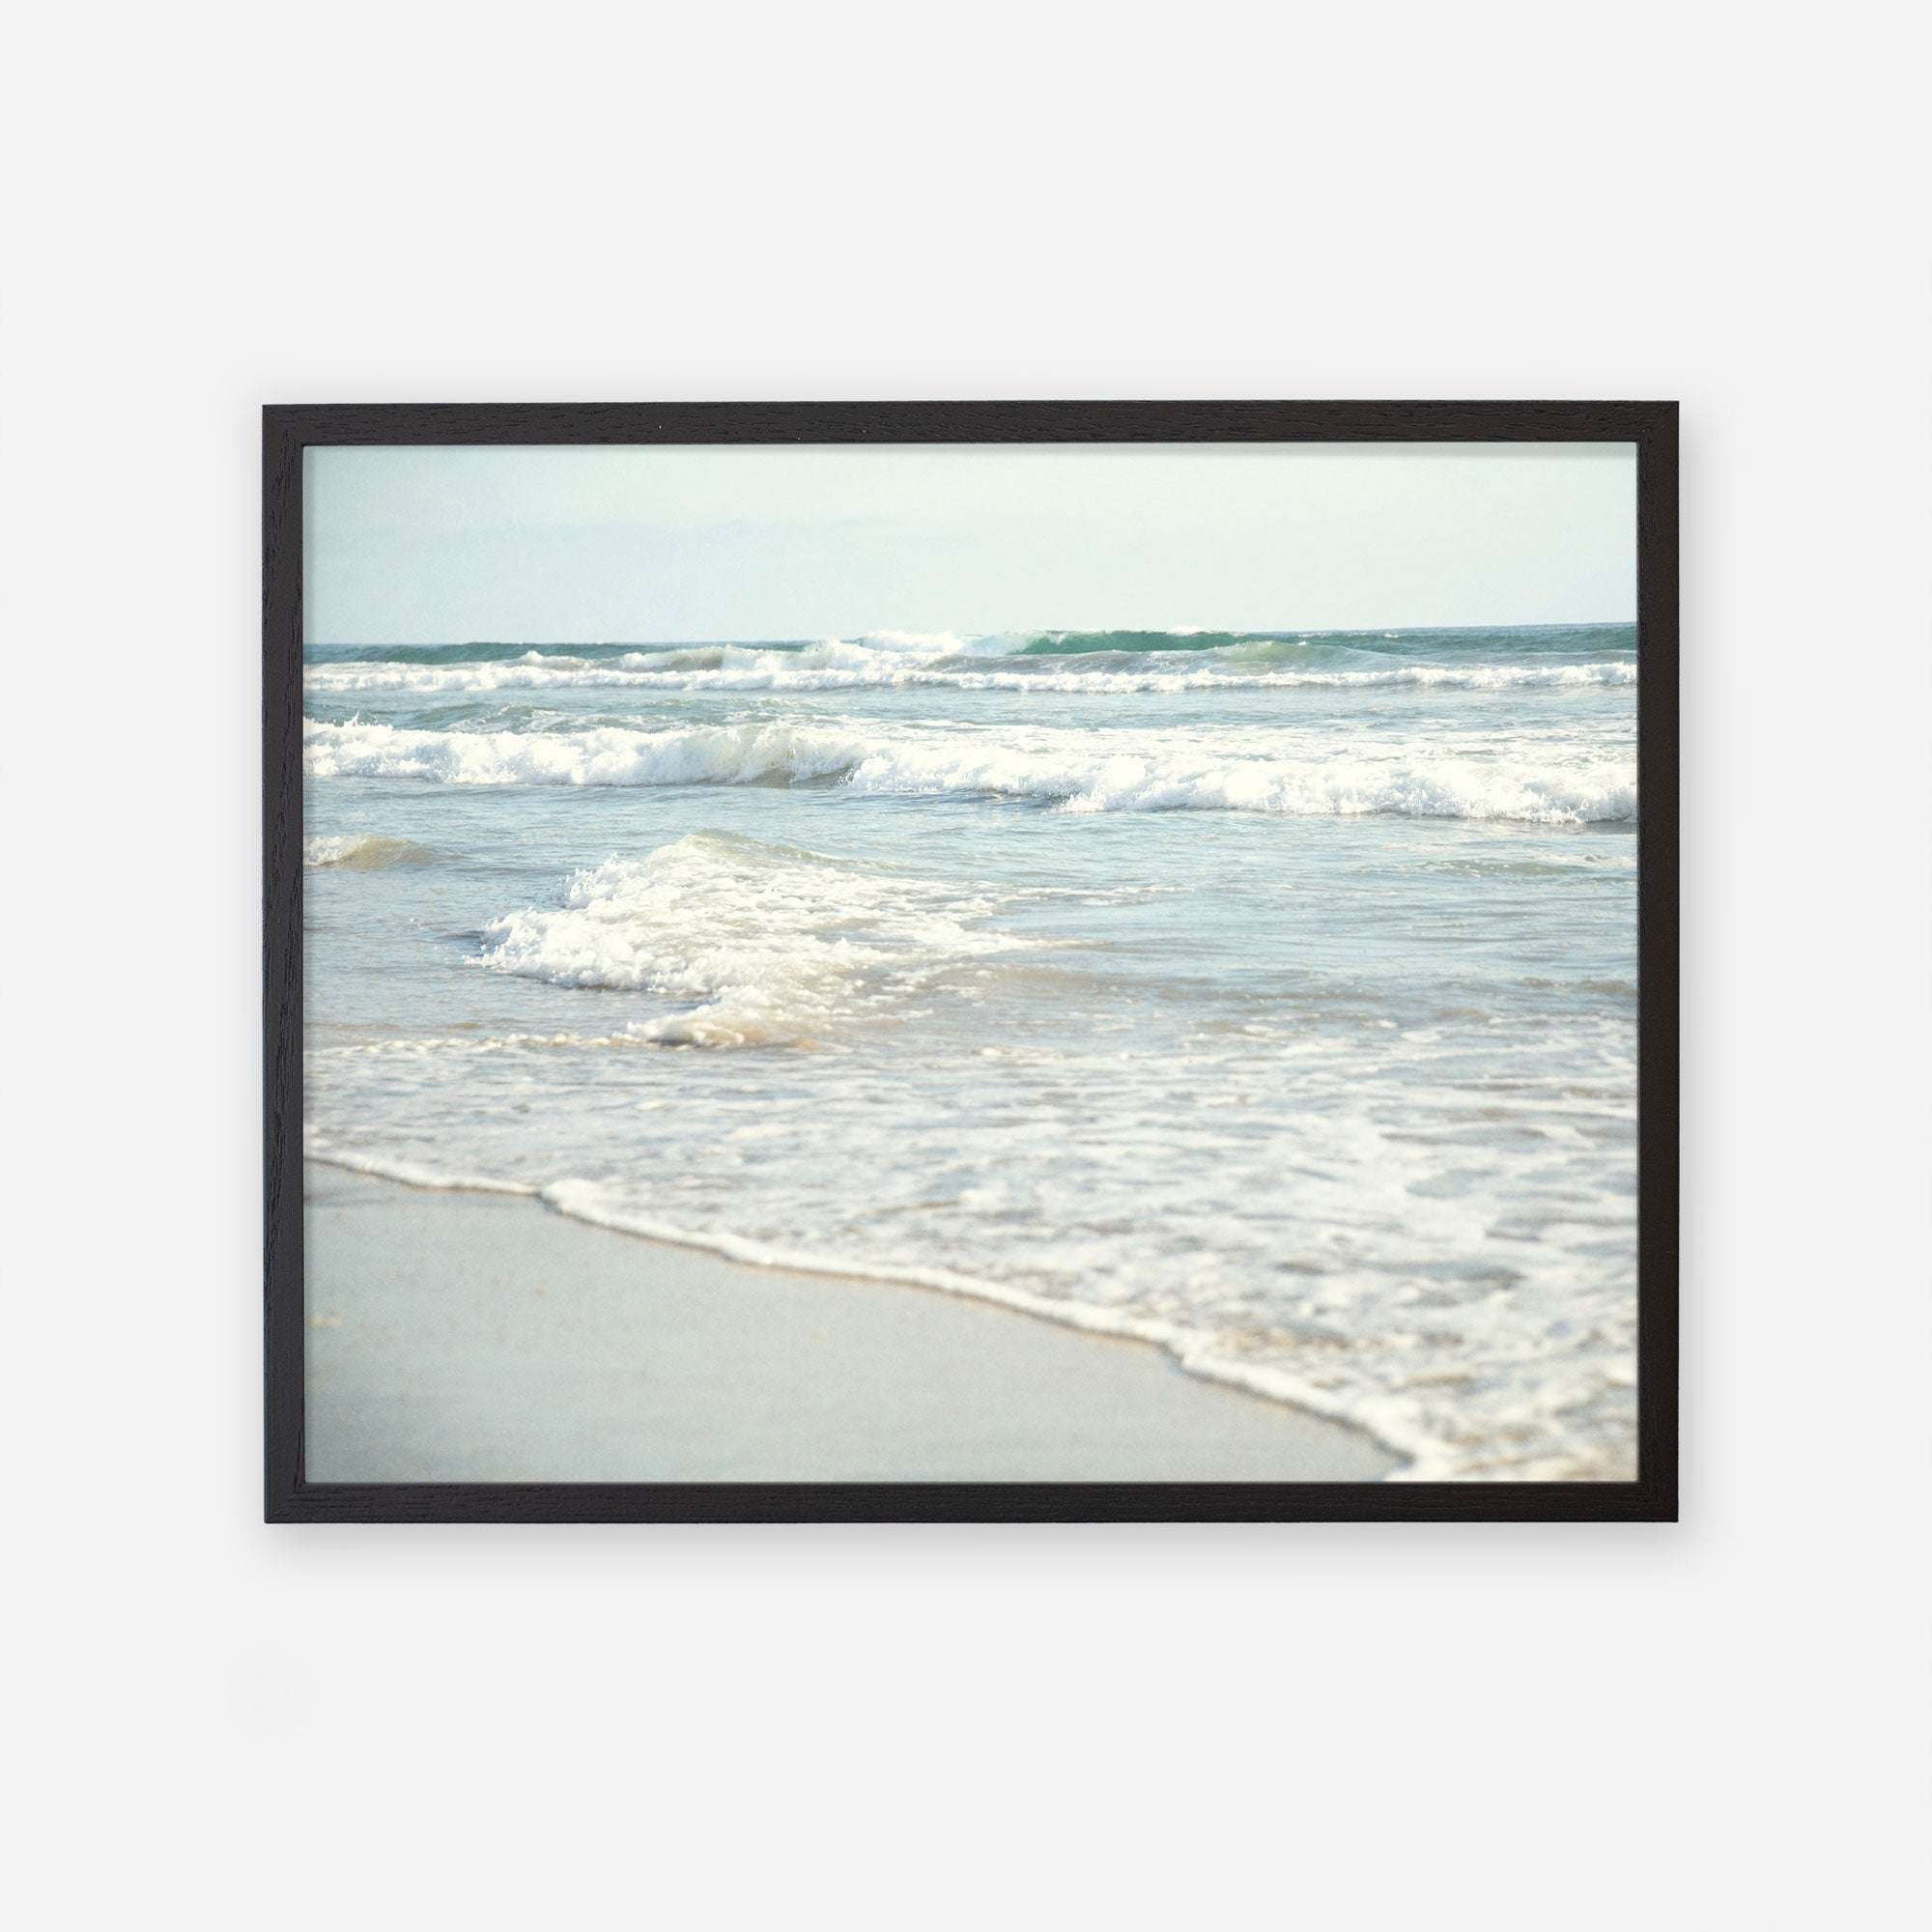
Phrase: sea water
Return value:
(1268, 996)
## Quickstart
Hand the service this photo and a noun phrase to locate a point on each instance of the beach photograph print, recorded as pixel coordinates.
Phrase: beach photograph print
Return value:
(1023, 963)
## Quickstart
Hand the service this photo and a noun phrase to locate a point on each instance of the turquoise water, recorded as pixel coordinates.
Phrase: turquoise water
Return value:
(1272, 996)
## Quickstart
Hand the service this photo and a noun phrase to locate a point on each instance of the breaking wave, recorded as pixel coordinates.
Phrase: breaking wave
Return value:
(1082, 772)
(762, 944)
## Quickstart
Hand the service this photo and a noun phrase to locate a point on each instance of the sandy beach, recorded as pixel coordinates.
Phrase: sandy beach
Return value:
(470, 1337)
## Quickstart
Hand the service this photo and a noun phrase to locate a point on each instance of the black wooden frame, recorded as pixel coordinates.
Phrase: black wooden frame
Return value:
(287, 430)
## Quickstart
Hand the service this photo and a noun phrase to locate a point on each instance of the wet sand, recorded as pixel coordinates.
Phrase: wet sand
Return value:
(470, 1337)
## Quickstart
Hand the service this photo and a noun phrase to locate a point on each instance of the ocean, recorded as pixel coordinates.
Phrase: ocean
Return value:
(1268, 996)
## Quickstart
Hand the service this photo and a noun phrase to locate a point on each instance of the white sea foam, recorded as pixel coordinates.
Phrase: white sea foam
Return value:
(1140, 770)
(762, 944)
(318, 1146)
(1181, 777)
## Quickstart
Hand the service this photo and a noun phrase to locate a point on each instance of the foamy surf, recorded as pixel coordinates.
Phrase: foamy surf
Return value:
(1407, 1427)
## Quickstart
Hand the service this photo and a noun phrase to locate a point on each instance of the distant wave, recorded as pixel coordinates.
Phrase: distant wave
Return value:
(362, 852)
(1122, 666)
(1509, 641)
(1152, 771)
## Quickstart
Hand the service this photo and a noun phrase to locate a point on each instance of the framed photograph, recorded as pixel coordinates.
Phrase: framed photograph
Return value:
(971, 960)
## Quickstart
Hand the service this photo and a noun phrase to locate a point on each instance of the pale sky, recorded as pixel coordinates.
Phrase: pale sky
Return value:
(685, 544)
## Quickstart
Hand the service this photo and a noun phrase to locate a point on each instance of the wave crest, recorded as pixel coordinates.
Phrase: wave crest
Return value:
(607, 755)
(361, 852)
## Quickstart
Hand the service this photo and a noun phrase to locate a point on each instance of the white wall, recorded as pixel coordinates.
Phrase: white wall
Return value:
(222, 1725)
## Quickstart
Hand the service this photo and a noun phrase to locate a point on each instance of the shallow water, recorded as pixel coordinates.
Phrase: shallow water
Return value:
(1272, 996)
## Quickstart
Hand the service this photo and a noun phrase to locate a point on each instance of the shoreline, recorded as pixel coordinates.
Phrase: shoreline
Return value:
(473, 1336)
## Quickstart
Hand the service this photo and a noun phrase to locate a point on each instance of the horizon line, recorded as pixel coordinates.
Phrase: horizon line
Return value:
(1284, 631)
